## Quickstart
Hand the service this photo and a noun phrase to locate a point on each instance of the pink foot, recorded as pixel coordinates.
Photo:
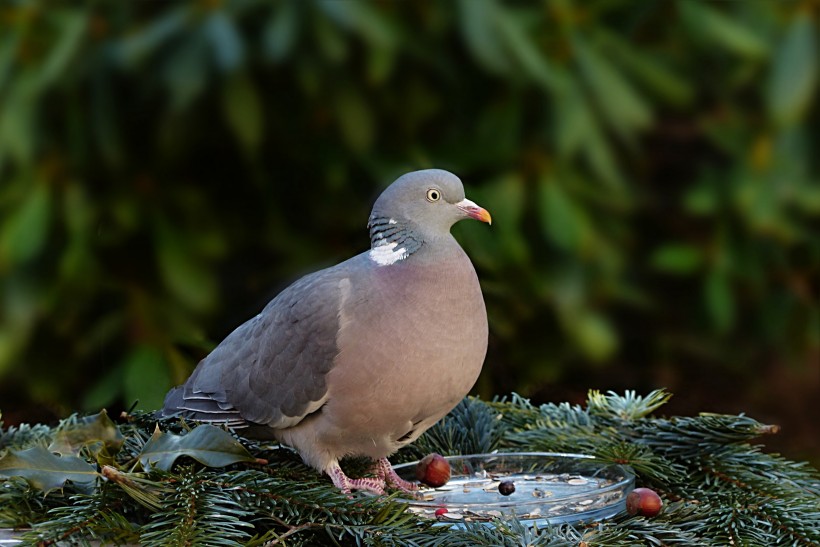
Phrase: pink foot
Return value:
(346, 484)
(388, 475)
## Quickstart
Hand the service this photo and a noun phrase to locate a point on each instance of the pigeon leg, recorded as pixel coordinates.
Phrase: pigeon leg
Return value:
(346, 484)
(386, 473)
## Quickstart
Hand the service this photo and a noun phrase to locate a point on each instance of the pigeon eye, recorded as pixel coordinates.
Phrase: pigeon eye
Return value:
(433, 195)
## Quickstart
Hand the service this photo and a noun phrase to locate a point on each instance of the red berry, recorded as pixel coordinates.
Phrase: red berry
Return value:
(433, 470)
(441, 511)
(644, 502)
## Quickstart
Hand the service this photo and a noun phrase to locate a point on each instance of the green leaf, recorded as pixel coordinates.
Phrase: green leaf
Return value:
(184, 275)
(577, 131)
(25, 231)
(380, 63)
(9, 46)
(523, 50)
(478, 22)
(146, 377)
(355, 120)
(104, 120)
(601, 157)
(18, 126)
(96, 429)
(573, 121)
(719, 301)
(623, 109)
(11, 346)
(44, 470)
(138, 45)
(593, 334)
(106, 390)
(72, 30)
(507, 194)
(331, 40)
(281, 31)
(207, 444)
(185, 72)
(20, 308)
(677, 258)
(718, 28)
(362, 17)
(243, 111)
(793, 79)
(225, 41)
(562, 221)
(647, 68)
(77, 261)
(702, 198)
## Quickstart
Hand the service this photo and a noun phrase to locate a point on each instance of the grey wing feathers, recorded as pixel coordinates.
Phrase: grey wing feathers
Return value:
(201, 408)
(270, 370)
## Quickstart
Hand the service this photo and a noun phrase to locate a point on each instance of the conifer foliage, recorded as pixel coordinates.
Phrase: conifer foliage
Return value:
(176, 483)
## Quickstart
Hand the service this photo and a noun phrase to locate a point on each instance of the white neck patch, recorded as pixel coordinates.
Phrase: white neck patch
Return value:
(387, 254)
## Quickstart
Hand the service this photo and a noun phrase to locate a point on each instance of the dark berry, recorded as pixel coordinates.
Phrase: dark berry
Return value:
(506, 488)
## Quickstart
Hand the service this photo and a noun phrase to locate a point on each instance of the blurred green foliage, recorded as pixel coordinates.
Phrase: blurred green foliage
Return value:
(651, 168)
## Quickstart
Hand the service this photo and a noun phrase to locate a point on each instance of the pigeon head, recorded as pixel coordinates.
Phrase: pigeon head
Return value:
(421, 206)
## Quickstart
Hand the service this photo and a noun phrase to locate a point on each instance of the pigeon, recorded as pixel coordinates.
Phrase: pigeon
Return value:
(361, 358)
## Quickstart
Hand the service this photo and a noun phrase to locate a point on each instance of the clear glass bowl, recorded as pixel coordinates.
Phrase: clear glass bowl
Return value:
(549, 488)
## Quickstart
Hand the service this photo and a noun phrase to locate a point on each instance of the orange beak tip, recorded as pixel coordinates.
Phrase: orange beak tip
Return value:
(475, 211)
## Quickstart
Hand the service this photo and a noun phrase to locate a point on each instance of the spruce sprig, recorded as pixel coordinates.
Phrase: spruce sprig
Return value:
(718, 488)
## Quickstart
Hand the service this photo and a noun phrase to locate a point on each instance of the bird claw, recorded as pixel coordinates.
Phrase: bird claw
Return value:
(346, 484)
(385, 471)
(385, 476)
(375, 486)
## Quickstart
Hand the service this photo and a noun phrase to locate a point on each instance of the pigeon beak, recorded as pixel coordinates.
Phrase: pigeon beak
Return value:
(474, 211)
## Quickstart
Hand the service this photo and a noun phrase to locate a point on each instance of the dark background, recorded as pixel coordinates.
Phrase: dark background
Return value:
(651, 168)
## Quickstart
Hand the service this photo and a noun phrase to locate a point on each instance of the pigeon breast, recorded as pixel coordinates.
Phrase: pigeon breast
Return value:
(412, 339)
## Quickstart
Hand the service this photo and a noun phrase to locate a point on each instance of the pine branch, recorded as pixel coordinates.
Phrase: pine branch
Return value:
(22, 505)
(767, 473)
(198, 513)
(630, 406)
(472, 427)
(101, 516)
(24, 436)
(717, 488)
(690, 436)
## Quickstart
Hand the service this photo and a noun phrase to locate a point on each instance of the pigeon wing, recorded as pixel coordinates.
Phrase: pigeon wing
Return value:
(272, 369)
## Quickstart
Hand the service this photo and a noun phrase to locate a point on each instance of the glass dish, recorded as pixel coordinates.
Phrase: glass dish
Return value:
(549, 488)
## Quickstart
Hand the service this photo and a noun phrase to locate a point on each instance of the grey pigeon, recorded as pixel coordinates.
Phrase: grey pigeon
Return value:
(362, 357)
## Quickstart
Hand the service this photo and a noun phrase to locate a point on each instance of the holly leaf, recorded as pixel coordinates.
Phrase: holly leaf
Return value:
(207, 444)
(96, 431)
(45, 470)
